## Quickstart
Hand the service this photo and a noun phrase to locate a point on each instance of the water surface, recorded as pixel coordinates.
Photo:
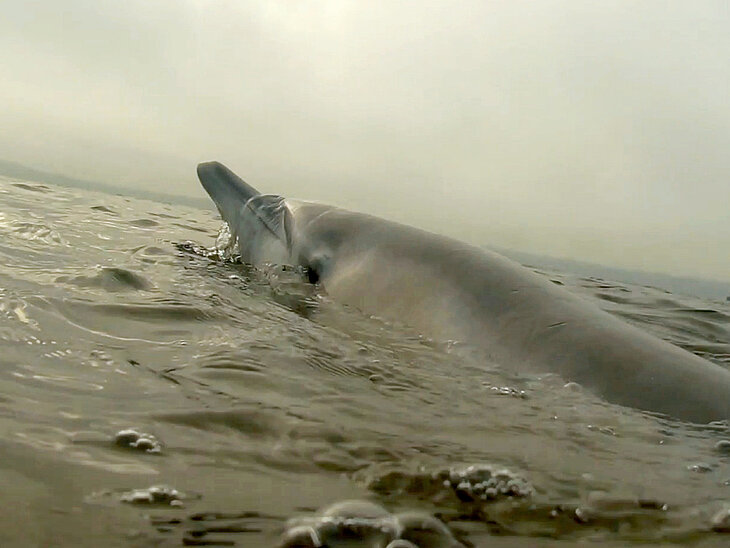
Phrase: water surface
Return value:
(260, 404)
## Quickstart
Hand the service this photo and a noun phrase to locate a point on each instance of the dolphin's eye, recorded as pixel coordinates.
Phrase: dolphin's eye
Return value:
(312, 275)
(316, 266)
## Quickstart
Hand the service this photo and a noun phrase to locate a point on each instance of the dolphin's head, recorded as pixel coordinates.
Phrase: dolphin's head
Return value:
(260, 222)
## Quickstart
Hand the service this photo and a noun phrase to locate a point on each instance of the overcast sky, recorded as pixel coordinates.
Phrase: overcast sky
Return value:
(593, 130)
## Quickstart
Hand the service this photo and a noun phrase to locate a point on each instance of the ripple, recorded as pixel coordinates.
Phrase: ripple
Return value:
(721, 521)
(215, 528)
(33, 188)
(35, 232)
(144, 312)
(103, 209)
(111, 279)
(252, 422)
(154, 251)
(144, 223)
(191, 227)
(69, 383)
(234, 360)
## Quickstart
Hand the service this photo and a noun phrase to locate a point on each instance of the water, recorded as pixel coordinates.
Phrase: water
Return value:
(132, 359)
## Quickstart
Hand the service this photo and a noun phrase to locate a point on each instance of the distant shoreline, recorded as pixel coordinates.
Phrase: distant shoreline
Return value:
(699, 287)
(20, 171)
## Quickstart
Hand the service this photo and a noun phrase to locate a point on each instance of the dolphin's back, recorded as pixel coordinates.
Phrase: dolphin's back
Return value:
(452, 290)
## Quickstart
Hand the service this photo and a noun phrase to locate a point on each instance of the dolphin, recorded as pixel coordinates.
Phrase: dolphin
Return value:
(450, 290)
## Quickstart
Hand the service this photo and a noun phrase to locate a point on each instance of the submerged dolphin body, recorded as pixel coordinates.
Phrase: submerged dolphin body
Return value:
(451, 290)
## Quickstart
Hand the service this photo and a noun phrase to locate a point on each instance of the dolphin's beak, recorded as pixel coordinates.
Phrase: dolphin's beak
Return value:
(228, 190)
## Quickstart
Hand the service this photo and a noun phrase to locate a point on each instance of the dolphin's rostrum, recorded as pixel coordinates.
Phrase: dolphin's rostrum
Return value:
(451, 290)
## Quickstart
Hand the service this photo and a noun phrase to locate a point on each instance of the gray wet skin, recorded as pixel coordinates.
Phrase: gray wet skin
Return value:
(451, 290)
